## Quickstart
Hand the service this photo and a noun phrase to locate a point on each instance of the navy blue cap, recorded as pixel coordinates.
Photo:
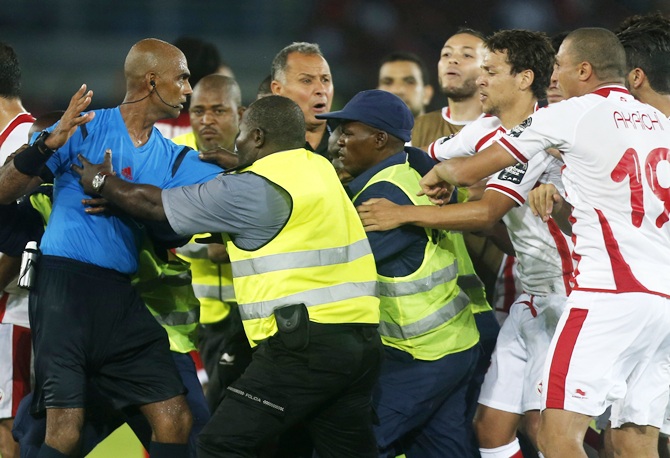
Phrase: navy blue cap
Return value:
(379, 109)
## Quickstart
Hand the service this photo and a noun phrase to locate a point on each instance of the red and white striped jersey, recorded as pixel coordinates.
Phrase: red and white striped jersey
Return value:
(14, 135)
(617, 177)
(543, 251)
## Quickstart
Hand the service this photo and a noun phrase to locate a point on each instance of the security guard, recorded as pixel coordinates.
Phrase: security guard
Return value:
(427, 324)
(305, 282)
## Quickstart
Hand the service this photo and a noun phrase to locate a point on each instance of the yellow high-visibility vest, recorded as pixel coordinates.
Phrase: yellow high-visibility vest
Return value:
(425, 313)
(321, 258)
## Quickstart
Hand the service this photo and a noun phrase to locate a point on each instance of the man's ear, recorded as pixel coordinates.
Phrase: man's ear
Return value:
(585, 71)
(259, 137)
(276, 87)
(636, 78)
(527, 78)
(240, 112)
(381, 139)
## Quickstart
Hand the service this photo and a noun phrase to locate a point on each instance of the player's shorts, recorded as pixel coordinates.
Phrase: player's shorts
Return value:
(513, 382)
(611, 349)
(15, 363)
(89, 324)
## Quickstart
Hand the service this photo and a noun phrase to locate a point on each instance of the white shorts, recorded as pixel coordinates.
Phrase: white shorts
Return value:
(611, 349)
(513, 381)
(15, 367)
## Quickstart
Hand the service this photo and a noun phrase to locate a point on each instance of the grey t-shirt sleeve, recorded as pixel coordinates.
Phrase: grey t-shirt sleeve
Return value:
(246, 206)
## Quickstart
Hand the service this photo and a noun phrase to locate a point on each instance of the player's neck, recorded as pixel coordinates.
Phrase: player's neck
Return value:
(659, 101)
(514, 115)
(314, 134)
(139, 123)
(465, 110)
(9, 109)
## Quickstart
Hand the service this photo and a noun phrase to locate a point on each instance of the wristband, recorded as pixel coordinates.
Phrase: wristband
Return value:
(30, 161)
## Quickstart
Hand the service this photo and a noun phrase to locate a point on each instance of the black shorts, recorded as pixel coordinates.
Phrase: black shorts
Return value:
(90, 325)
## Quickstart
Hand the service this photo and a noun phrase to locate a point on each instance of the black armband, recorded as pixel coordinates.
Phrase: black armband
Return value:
(31, 160)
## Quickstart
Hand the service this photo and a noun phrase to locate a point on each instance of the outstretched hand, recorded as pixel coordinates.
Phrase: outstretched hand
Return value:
(543, 200)
(380, 215)
(71, 119)
(88, 171)
(220, 156)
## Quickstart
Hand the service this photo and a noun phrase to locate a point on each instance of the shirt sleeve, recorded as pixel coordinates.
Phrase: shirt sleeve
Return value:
(387, 245)
(246, 206)
(454, 145)
(192, 170)
(518, 180)
(550, 127)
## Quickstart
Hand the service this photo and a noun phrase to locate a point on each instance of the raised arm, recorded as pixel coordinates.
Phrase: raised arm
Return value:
(466, 171)
(480, 215)
(18, 176)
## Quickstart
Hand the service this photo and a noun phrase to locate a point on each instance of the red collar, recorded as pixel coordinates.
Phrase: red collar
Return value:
(605, 91)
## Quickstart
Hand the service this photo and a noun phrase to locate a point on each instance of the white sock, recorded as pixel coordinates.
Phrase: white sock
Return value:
(506, 451)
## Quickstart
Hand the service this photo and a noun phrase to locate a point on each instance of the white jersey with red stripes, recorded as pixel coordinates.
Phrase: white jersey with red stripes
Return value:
(617, 177)
(14, 301)
(543, 251)
(14, 134)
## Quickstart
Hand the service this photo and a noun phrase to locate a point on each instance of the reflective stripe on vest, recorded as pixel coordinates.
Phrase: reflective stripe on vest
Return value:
(310, 298)
(301, 259)
(424, 313)
(420, 285)
(178, 318)
(212, 291)
(435, 319)
(193, 250)
(320, 258)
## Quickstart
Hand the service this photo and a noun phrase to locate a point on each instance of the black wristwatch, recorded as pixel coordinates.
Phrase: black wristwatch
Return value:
(39, 143)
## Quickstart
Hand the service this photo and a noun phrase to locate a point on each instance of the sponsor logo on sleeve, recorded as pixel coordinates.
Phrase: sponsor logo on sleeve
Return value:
(513, 173)
(444, 140)
(516, 131)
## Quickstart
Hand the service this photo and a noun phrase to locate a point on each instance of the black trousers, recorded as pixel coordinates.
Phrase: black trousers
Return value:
(327, 386)
(225, 352)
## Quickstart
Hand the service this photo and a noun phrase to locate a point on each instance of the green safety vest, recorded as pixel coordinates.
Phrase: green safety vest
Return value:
(321, 258)
(212, 282)
(468, 279)
(165, 287)
(424, 313)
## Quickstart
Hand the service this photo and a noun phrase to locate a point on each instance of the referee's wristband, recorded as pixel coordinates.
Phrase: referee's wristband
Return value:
(31, 160)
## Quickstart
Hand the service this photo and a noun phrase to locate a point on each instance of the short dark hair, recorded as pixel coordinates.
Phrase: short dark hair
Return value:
(646, 40)
(10, 72)
(557, 39)
(404, 56)
(280, 60)
(280, 118)
(602, 49)
(526, 50)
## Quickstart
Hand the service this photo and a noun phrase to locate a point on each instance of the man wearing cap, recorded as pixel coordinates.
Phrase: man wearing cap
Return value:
(427, 326)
